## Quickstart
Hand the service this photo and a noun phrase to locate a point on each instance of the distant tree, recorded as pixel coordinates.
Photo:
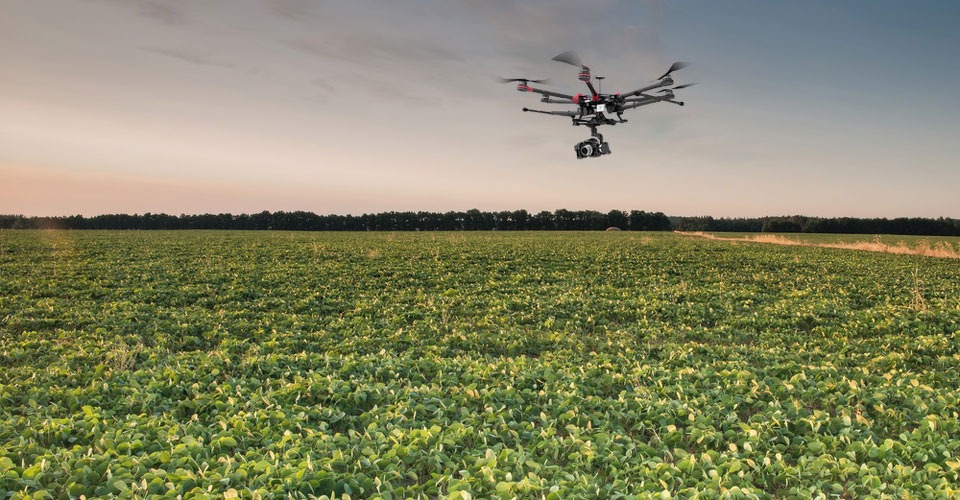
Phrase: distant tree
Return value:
(503, 221)
(592, 220)
(451, 221)
(8, 221)
(617, 218)
(521, 219)
(696, 224)
(563, 219)
(544, 220)
(781, 226)
(474, 219)
(486, 221)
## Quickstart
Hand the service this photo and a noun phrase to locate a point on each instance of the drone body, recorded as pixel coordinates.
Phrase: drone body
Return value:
(592, 109)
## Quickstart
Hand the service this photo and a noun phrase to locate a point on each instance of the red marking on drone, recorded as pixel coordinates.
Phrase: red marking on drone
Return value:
(576, 99)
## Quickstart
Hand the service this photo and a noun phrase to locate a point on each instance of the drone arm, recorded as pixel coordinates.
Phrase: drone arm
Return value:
(555, 101)
(550, 93)
(665, 80)
(636, 103)
(558, 113)
(660, 83)
(593, 91)
(639, 102)
(644, 99)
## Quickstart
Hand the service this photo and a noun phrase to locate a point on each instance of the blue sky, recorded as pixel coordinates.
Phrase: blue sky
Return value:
(807, 107)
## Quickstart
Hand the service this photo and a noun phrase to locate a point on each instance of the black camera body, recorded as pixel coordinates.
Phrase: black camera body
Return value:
(591, 148)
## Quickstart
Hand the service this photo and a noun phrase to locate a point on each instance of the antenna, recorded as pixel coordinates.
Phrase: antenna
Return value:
(600, 83)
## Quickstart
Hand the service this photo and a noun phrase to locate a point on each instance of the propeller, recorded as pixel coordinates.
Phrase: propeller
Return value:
(684, 86)
(569, 57)
(673, 67)
(524, 80)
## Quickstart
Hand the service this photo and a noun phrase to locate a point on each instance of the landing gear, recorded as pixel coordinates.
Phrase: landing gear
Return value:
(592, 147)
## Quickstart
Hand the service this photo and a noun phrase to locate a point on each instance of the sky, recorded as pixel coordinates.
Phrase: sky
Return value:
(811, 107)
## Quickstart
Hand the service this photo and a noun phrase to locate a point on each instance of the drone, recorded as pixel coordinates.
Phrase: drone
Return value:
(593, 108)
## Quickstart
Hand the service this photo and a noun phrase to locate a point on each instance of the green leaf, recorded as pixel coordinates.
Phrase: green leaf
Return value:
(121, 485)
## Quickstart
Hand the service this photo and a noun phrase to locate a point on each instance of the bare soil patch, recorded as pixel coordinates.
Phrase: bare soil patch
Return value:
(940, 249)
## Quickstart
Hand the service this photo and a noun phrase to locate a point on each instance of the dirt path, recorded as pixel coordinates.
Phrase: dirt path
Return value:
(940, 249)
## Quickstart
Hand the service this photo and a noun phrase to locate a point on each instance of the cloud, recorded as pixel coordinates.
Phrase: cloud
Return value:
(374, 47)
(165, 12)
(515, 22)
(324, 85)
(288, 9)
(187, 57)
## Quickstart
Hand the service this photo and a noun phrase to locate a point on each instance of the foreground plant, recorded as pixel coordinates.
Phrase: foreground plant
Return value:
(547, 365)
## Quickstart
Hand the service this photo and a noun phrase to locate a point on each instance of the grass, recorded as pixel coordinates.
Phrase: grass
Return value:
(940, 247)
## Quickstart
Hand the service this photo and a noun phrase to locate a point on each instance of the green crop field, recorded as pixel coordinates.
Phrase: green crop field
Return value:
(473, 365)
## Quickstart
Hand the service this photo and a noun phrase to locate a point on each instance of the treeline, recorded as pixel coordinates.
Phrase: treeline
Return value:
(801, 224)
(476, 220)
(471, 220)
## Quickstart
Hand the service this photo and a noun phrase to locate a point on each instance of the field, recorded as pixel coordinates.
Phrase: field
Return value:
(473, 365)
(889, 239)
(930, 246)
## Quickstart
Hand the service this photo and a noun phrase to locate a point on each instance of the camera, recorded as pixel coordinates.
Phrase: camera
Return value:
(591, 148)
